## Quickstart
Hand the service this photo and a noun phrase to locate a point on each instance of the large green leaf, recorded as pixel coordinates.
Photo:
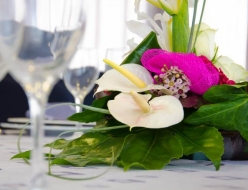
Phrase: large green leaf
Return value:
(58, 144)
(92, 148)
(222, 93)
(207, 140)
(150, 42)
(150, 149)
(180, 29)
(230, 115)
(228, 111)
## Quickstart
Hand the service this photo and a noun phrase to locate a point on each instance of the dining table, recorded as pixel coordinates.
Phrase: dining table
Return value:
(182, 174)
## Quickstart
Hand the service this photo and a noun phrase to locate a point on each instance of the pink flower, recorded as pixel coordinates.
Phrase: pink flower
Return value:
(200, 72)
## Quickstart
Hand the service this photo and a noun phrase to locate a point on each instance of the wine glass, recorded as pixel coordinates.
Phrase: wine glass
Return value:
(3, 69)
(49, 34)
(80, 76)
(10, 15)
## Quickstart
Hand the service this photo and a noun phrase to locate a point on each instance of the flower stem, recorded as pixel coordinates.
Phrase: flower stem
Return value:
(199, 25)
(192, 26)
(100, 110)
(180, 28)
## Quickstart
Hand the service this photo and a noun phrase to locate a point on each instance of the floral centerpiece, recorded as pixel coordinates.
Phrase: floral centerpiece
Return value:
(170, 97)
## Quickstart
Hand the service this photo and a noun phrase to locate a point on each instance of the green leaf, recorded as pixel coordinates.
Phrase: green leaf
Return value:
(91, 116)
(60, 161)
(92, 148)
(229, 115)
(58, 144)
(180, 29)
(150, 42)
(26, 155)
(228, 111)
(222, 93)
(108, 122)
(150, 149)
(86, 116)
(207, 140)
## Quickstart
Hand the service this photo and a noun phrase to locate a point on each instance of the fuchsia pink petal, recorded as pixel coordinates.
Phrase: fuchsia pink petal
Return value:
(200, 72)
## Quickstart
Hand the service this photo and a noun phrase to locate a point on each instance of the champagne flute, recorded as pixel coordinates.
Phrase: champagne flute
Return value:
(80, 76)
(51, 31)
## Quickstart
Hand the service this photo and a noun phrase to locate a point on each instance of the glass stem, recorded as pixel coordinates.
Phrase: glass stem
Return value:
(79, 100)
(37, 103)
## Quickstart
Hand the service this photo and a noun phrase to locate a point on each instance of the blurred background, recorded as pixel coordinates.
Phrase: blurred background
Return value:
(106, 25)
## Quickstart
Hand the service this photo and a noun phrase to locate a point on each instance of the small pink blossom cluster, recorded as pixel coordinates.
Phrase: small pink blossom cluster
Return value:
(175, 80)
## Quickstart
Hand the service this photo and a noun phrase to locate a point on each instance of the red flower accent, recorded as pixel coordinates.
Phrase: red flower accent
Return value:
(223, 78)
(208, 63)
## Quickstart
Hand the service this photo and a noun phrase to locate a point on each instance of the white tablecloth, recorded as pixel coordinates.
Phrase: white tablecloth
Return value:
(179, 175)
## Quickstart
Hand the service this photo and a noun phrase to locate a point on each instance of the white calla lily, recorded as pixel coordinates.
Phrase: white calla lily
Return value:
(132, 77)
(164, 111)
(232, 70)
(112, 80)
(205, 43)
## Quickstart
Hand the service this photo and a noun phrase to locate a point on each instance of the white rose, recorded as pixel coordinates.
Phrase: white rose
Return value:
(232, 70)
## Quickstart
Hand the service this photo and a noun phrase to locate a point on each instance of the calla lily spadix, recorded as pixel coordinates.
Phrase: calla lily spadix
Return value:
(134, 79)
(123, 79)
(141, 102)
(134, 110)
